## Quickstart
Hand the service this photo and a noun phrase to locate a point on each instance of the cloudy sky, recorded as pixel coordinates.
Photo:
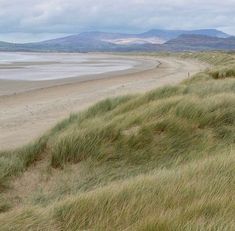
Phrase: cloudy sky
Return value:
(33, 20)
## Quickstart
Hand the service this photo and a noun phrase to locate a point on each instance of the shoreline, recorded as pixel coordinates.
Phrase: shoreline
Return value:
(12, 87)
(27, 115)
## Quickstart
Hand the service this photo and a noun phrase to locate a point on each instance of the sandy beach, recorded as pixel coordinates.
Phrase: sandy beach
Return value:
(29, 108)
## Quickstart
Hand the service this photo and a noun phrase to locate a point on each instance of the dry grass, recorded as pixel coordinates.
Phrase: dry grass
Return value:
(163, 160)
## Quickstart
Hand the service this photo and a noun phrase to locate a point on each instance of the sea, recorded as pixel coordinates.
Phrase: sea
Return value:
(22, 66)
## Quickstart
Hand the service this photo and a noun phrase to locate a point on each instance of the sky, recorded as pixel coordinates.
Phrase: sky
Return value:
(36, 20)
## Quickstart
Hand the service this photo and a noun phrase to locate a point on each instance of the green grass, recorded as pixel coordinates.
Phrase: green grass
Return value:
(213, 58)
(163, 160)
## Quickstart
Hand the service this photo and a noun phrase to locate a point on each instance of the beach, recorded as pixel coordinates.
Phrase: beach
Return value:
(29, 108)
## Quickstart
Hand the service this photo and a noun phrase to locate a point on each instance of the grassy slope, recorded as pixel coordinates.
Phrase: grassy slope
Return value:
(159, 161)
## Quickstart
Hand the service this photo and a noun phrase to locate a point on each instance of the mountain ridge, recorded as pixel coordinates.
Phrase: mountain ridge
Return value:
(152, 40)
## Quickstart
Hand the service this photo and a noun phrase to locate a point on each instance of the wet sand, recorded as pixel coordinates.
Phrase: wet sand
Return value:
(57, 69)
(28, 109)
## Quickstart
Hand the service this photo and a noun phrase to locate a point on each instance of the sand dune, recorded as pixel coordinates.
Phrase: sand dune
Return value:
(28, 110)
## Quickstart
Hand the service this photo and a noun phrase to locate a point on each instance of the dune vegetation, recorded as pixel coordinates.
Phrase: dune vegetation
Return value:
(163, 160)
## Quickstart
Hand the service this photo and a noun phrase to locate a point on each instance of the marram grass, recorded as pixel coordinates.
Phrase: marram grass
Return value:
(163, 160)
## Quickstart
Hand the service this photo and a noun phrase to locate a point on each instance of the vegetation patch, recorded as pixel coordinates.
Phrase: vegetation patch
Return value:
(163, 160)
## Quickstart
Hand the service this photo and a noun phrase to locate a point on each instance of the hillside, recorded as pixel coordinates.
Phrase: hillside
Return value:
(200, 42)
(163, 160)
(153, 40)
(171, 34)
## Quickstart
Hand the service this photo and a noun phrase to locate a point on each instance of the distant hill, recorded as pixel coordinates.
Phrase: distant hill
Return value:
(153, 40)
(5, 45)
(171, 34)
(152, 37)
(200, 42)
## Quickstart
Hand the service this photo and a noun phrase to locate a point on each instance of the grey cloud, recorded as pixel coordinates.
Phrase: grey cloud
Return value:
(74, 16)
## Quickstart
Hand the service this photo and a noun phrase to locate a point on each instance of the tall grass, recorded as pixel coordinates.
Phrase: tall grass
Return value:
(163, 160)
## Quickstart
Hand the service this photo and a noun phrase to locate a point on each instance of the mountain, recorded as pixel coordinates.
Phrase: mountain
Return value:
(111, 38)
(150, 37)
(200, 42)
(75, 43)
(5, 45)
(171, 34)
(153, 40)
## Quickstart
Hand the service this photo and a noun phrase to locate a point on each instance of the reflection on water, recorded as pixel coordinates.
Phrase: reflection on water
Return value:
(49, 66)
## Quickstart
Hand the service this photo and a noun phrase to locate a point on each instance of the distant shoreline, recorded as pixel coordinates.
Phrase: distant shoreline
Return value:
(11, 87)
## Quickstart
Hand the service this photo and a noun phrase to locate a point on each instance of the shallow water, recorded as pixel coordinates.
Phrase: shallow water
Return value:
(51, 66)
